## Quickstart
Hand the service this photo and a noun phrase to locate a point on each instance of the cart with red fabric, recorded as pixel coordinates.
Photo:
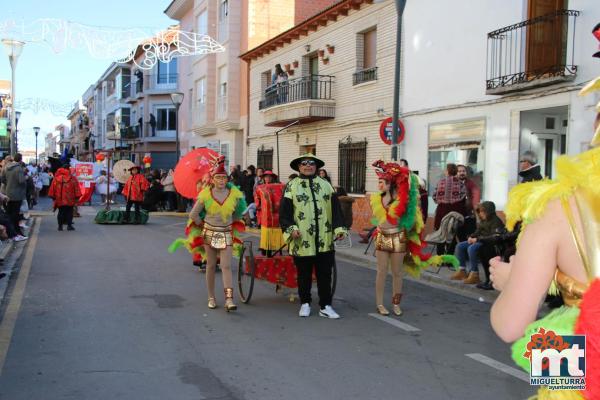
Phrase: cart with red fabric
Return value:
(278, 269)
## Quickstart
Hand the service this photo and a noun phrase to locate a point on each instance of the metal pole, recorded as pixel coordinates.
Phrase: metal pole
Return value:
(13, 116)
(177, 151)
(400, 4)
(107, 208)
(277, 137)
(36, 150)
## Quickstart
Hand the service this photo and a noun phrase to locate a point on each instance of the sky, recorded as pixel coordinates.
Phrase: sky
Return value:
(64, 77)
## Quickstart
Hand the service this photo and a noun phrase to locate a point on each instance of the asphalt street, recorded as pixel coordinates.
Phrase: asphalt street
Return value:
(107, 313)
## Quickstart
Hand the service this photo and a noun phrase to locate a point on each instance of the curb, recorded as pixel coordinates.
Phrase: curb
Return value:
(9, 255)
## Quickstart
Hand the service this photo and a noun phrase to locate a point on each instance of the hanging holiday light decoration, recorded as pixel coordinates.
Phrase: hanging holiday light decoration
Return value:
(119, 45)
(36, 105)
(100, 157)
(147, 161)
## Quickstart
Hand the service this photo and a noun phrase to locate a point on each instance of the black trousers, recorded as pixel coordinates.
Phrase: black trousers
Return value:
(136, 205)
(486, 253)
(13, 209)
(322, 263)
(65, 215)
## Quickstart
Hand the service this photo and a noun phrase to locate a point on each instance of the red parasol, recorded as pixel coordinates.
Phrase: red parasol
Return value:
(195, 166)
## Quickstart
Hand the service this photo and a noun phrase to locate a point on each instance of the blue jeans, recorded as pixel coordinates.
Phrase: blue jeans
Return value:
(468, 252)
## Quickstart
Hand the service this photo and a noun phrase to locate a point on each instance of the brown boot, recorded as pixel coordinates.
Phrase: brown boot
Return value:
(229, 305)
(472, 279)
(459, 275)
(396, 304)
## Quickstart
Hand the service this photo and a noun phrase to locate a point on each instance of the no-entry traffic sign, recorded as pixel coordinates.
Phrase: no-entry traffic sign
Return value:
(385, 131)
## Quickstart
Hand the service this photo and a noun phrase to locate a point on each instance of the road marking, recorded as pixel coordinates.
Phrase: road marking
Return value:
(490, 362)
(7, 325)
(395, 322)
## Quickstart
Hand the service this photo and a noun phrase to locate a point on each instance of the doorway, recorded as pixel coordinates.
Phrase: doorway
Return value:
(313, 64)
(311, 148)
(544, 132)
(545, 40)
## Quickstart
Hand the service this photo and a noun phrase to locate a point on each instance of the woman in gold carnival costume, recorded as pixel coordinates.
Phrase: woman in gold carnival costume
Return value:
(562, 217)
(399, 224)
(213, 231)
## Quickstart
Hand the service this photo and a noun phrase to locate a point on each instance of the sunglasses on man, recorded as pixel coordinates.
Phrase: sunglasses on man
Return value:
(308, 163)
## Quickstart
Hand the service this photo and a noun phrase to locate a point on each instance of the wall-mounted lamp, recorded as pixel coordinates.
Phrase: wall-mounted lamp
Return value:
(307, 47)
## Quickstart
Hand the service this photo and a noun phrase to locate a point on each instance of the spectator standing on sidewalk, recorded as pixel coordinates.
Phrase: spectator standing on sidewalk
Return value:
(529, 169)
(450, 195)
(45, 178)
(65, 192)
(15, 186)
(169, 190)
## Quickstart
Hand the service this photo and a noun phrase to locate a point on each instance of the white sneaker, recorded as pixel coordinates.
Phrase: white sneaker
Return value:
(328, 312)
(20, 238)
(304, 310)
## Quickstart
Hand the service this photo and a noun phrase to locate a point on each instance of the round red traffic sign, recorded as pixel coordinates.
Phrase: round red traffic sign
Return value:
(385, 131)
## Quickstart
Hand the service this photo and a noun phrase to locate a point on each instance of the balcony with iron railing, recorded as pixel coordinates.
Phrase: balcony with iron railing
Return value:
(532, 53)
(305, 99)
(365, 75)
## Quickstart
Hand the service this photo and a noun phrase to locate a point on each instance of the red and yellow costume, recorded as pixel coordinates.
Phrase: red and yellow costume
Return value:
(135, 187)
(267, 199)
(405, 216)
(64, 189)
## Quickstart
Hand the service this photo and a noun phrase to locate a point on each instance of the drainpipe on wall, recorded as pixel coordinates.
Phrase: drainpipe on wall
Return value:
(400, 4)
(246, 142)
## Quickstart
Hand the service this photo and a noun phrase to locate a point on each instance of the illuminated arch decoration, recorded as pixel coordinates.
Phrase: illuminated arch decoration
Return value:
(119, 45)
(36, 105)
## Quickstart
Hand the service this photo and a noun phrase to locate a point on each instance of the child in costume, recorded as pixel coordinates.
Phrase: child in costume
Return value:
(267, 199)
(399, 224)
(65, 192)
(213, 231)
(559, 247)
(134, 190)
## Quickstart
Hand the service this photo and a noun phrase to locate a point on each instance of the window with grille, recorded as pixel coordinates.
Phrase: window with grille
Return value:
(264, 159)
(352, 165)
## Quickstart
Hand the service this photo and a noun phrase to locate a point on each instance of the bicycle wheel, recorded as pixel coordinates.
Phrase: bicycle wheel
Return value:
(333, 278)
(246, 272)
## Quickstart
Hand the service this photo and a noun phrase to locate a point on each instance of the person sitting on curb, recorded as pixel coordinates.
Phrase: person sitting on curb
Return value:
(489, 224)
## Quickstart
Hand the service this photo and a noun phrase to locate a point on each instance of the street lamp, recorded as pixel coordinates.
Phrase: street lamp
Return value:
(177, 99)
(36, 130)
(400, 5)
(16, 137)
(13, 50)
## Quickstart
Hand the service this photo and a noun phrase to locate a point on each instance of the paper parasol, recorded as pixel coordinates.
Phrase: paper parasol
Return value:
(194, 167)
(121, 170)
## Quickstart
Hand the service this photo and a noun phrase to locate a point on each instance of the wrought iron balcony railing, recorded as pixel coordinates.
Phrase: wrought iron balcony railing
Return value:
(313, 87)
(538, 48)
(365, 75)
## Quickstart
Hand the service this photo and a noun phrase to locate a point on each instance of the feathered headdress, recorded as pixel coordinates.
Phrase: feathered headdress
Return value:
(392, 172)
(219, 166)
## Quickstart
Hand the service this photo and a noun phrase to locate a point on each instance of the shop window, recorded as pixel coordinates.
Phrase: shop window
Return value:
(457, 142)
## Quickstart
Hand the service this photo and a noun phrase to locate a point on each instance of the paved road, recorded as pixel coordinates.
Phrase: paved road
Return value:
(107, 313)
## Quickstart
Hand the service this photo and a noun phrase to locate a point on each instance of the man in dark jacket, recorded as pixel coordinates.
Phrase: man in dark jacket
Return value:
(468, 251)
(311, 217)
(13, 177)
(529, 169)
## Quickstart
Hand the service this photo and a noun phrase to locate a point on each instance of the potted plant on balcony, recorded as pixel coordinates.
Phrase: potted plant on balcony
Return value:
(291, 72)
(321, 53)
(325, 60)
(330, 48)
(295, 64)
(287, 67)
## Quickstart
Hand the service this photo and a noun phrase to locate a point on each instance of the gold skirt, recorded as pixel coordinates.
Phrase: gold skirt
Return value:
(217, 237)
(391, 240)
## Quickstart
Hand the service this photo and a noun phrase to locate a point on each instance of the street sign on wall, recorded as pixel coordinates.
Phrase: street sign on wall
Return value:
(385, 131)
